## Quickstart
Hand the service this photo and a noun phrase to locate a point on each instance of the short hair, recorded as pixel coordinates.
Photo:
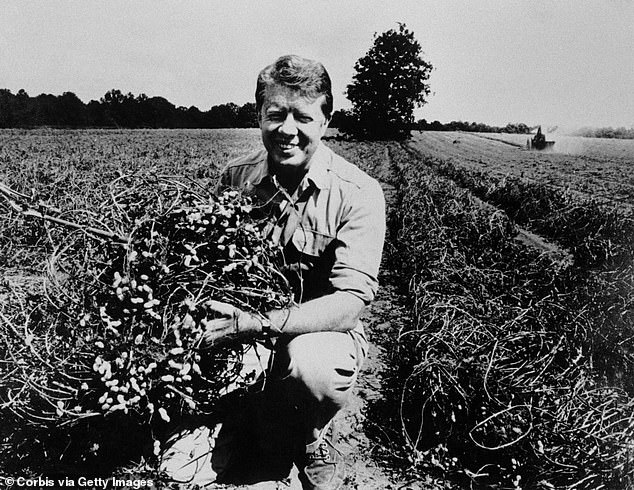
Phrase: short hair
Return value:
(308, 77)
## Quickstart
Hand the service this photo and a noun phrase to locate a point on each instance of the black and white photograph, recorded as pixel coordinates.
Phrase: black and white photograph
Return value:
(266, 245)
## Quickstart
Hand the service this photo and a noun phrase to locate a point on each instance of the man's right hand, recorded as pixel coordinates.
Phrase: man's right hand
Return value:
(235, 326)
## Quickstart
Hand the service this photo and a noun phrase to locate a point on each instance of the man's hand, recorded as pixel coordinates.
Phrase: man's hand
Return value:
(237, 325)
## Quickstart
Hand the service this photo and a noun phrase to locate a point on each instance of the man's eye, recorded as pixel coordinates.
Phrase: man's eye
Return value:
(304, 119)
(275, 116)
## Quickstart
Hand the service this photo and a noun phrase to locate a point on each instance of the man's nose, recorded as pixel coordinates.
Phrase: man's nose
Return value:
(289, 126)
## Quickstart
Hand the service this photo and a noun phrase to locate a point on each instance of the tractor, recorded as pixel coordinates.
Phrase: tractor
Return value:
(539, 141)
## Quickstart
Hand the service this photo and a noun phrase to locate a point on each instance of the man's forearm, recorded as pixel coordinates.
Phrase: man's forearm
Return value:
(336, 312)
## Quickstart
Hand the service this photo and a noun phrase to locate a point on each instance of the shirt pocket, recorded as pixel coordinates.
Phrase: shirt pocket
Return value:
(311, 242)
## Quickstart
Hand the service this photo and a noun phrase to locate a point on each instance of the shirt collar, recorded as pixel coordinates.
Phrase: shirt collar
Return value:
(319, 166)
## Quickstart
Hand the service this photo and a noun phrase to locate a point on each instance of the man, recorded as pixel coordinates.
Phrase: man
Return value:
(329, 216)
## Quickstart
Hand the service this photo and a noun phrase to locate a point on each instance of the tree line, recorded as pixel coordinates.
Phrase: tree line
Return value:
(116, 110)
(515, 128)
(609, 132)
(344, 119)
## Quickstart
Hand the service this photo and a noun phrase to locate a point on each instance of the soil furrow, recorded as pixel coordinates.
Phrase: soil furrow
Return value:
(524, 236)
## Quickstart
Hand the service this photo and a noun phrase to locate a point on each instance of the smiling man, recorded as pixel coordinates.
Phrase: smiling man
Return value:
(329, 216)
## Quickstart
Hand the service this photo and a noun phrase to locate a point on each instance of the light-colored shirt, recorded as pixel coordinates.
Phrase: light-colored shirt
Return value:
(332, 230)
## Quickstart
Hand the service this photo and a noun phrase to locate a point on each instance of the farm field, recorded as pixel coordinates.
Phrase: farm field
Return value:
(593, 167)
(71, 169)
(49, 160)
(603, 149)
(487, 352)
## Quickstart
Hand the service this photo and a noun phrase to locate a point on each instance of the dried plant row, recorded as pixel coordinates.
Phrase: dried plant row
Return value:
(600, 237)
(503, 369)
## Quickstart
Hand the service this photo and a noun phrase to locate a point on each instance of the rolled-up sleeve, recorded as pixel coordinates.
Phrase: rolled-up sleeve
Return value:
(360, 238)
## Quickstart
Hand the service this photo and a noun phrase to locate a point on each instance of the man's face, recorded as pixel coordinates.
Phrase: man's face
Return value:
(292, 126)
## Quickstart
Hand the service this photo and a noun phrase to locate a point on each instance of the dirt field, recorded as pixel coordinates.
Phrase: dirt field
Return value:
(68, 169)
(596, 168)
(603, 149)
(471, 255)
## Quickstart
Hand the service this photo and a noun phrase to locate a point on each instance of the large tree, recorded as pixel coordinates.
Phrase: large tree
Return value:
(389, 83)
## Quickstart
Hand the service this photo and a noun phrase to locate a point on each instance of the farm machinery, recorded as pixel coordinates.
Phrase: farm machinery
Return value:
(538, 142)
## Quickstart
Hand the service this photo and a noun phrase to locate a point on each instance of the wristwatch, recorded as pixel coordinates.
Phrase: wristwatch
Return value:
(266, 326)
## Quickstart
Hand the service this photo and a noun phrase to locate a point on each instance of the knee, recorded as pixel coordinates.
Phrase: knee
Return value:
(325, 364)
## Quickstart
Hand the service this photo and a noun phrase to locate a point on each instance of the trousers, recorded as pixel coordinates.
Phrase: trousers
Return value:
(317, 372)
(302, 384)
(309, 379)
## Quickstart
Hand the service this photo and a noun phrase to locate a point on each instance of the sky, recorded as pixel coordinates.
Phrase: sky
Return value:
(551, 62)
